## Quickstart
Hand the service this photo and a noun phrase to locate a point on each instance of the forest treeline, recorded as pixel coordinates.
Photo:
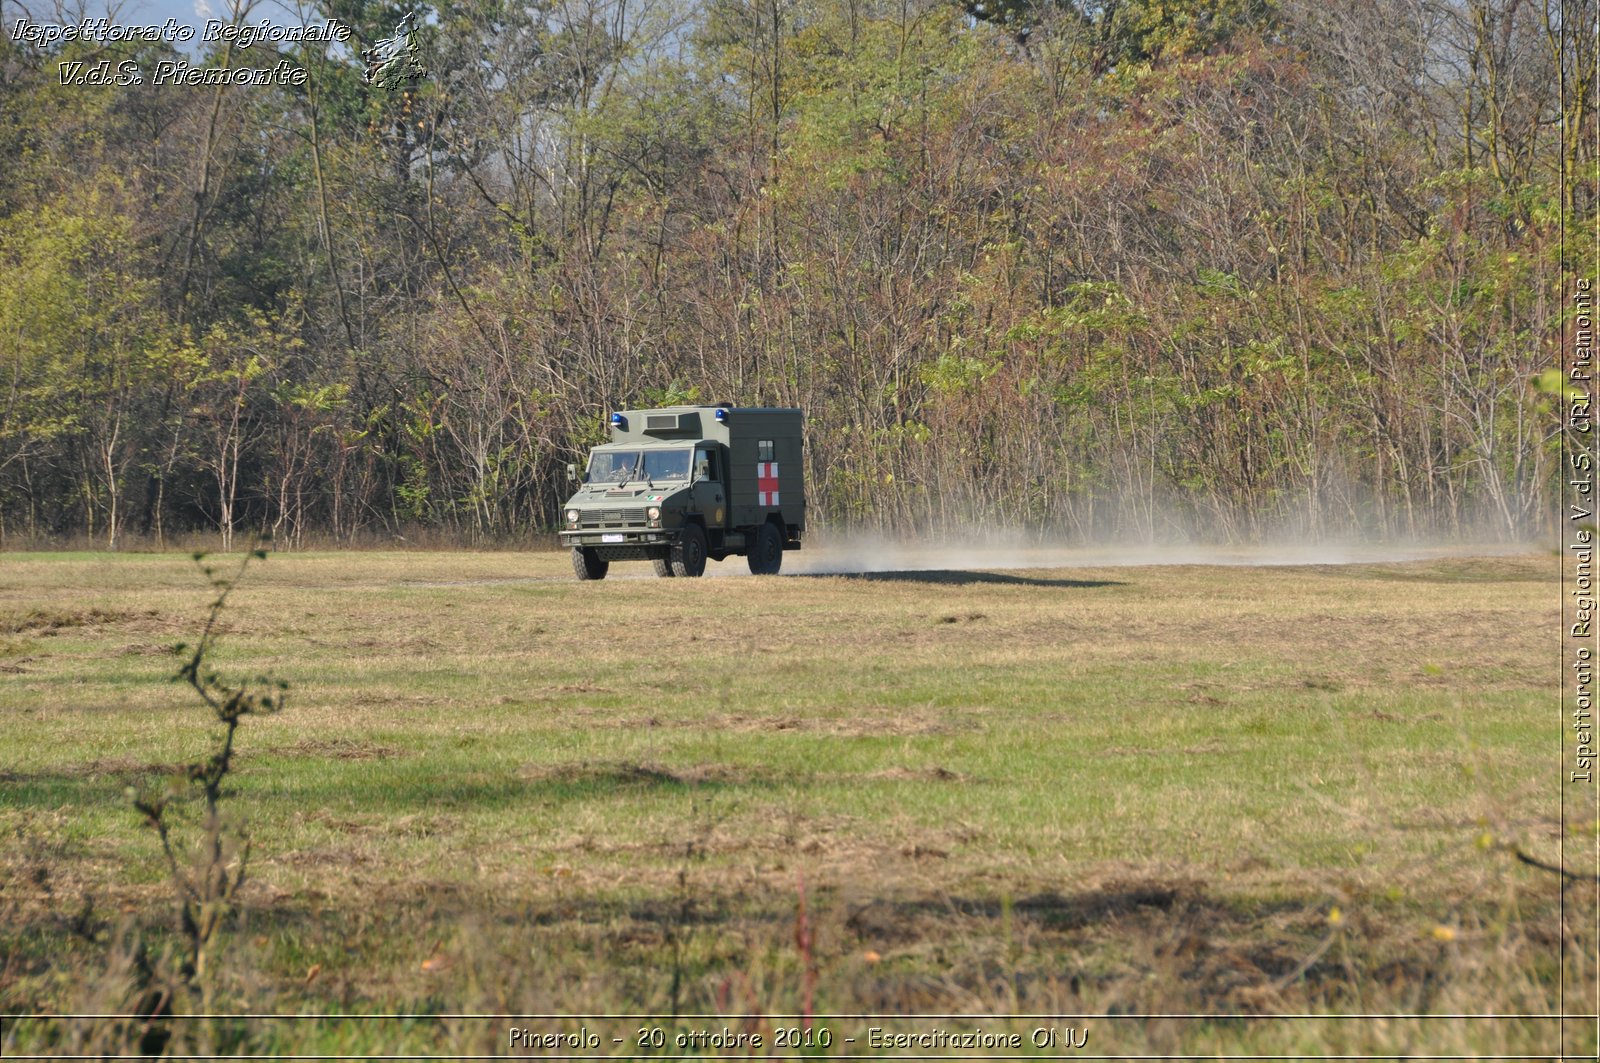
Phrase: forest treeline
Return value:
(1121, 269)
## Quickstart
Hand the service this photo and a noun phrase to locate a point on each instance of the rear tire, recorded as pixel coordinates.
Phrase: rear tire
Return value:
(662, 565)
(689, 556)
(586, 563)
(766, 553)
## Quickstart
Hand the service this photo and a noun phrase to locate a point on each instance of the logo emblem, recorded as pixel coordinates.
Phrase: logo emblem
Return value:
(394, 61)
(766, 483)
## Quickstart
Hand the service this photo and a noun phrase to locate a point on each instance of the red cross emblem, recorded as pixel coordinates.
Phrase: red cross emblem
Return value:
(766, 483)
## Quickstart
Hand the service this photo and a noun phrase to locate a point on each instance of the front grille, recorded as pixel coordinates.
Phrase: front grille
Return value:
(611, 518)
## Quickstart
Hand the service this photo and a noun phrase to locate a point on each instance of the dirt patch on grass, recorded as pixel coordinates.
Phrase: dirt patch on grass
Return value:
(149, 649)
(1199, 949)
(375, 698)
(1393, 717)
(902, 920)
(106, 767)
(930, 774)
(628, 774)
(1112, 901)
(342, 749)
(1214, 745)
(47, 621)
(325, 856)
(876, 721)
(409, 645)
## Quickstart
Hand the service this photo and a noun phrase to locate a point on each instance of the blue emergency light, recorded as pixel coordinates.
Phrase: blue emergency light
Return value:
(722, 416)
(619, 421)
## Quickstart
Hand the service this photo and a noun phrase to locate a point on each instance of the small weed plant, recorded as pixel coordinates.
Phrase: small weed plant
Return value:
(205, 889)
(206, 854)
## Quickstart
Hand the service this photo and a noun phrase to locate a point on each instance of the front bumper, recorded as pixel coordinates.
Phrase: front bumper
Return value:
(619, 537)
(615, 544)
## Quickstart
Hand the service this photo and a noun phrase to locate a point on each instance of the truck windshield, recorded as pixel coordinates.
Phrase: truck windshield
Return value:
(615, 466)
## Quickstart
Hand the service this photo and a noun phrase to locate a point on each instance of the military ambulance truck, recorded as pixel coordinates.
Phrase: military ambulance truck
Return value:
(681, 484)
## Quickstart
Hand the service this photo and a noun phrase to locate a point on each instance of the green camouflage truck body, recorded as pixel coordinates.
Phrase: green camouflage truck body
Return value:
(679, 485)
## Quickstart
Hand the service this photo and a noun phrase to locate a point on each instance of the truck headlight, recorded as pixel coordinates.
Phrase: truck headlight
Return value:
(572, 517)
(654, 512)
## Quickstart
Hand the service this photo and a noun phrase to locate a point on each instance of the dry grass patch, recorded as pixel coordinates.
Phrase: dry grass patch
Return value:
(1089, 789)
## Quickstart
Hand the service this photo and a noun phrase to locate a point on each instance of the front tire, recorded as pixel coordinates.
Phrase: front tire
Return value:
(662, 565)
(586, 563)
(766, 553)
(689, 556)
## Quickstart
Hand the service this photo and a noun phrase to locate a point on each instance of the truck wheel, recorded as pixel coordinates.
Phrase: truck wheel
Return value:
(689, 556)
(586, 563)
(766, 553)
(662, 565)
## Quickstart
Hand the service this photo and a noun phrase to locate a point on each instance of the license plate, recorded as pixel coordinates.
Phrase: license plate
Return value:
(612, 537)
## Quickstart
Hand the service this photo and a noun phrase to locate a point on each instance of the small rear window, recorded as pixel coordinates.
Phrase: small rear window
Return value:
(764, 451)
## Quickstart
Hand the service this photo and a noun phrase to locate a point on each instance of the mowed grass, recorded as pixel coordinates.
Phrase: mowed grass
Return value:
(1086, 791)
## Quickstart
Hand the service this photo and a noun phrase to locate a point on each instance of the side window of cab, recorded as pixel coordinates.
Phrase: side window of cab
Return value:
(705, 465)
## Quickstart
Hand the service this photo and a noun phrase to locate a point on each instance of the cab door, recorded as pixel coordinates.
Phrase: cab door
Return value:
(709, 476)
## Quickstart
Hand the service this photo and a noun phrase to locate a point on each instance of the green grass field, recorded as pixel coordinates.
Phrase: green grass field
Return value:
(1094, 792)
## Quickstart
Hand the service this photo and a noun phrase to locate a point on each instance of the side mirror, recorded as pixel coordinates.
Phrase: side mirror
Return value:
(572, 474)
